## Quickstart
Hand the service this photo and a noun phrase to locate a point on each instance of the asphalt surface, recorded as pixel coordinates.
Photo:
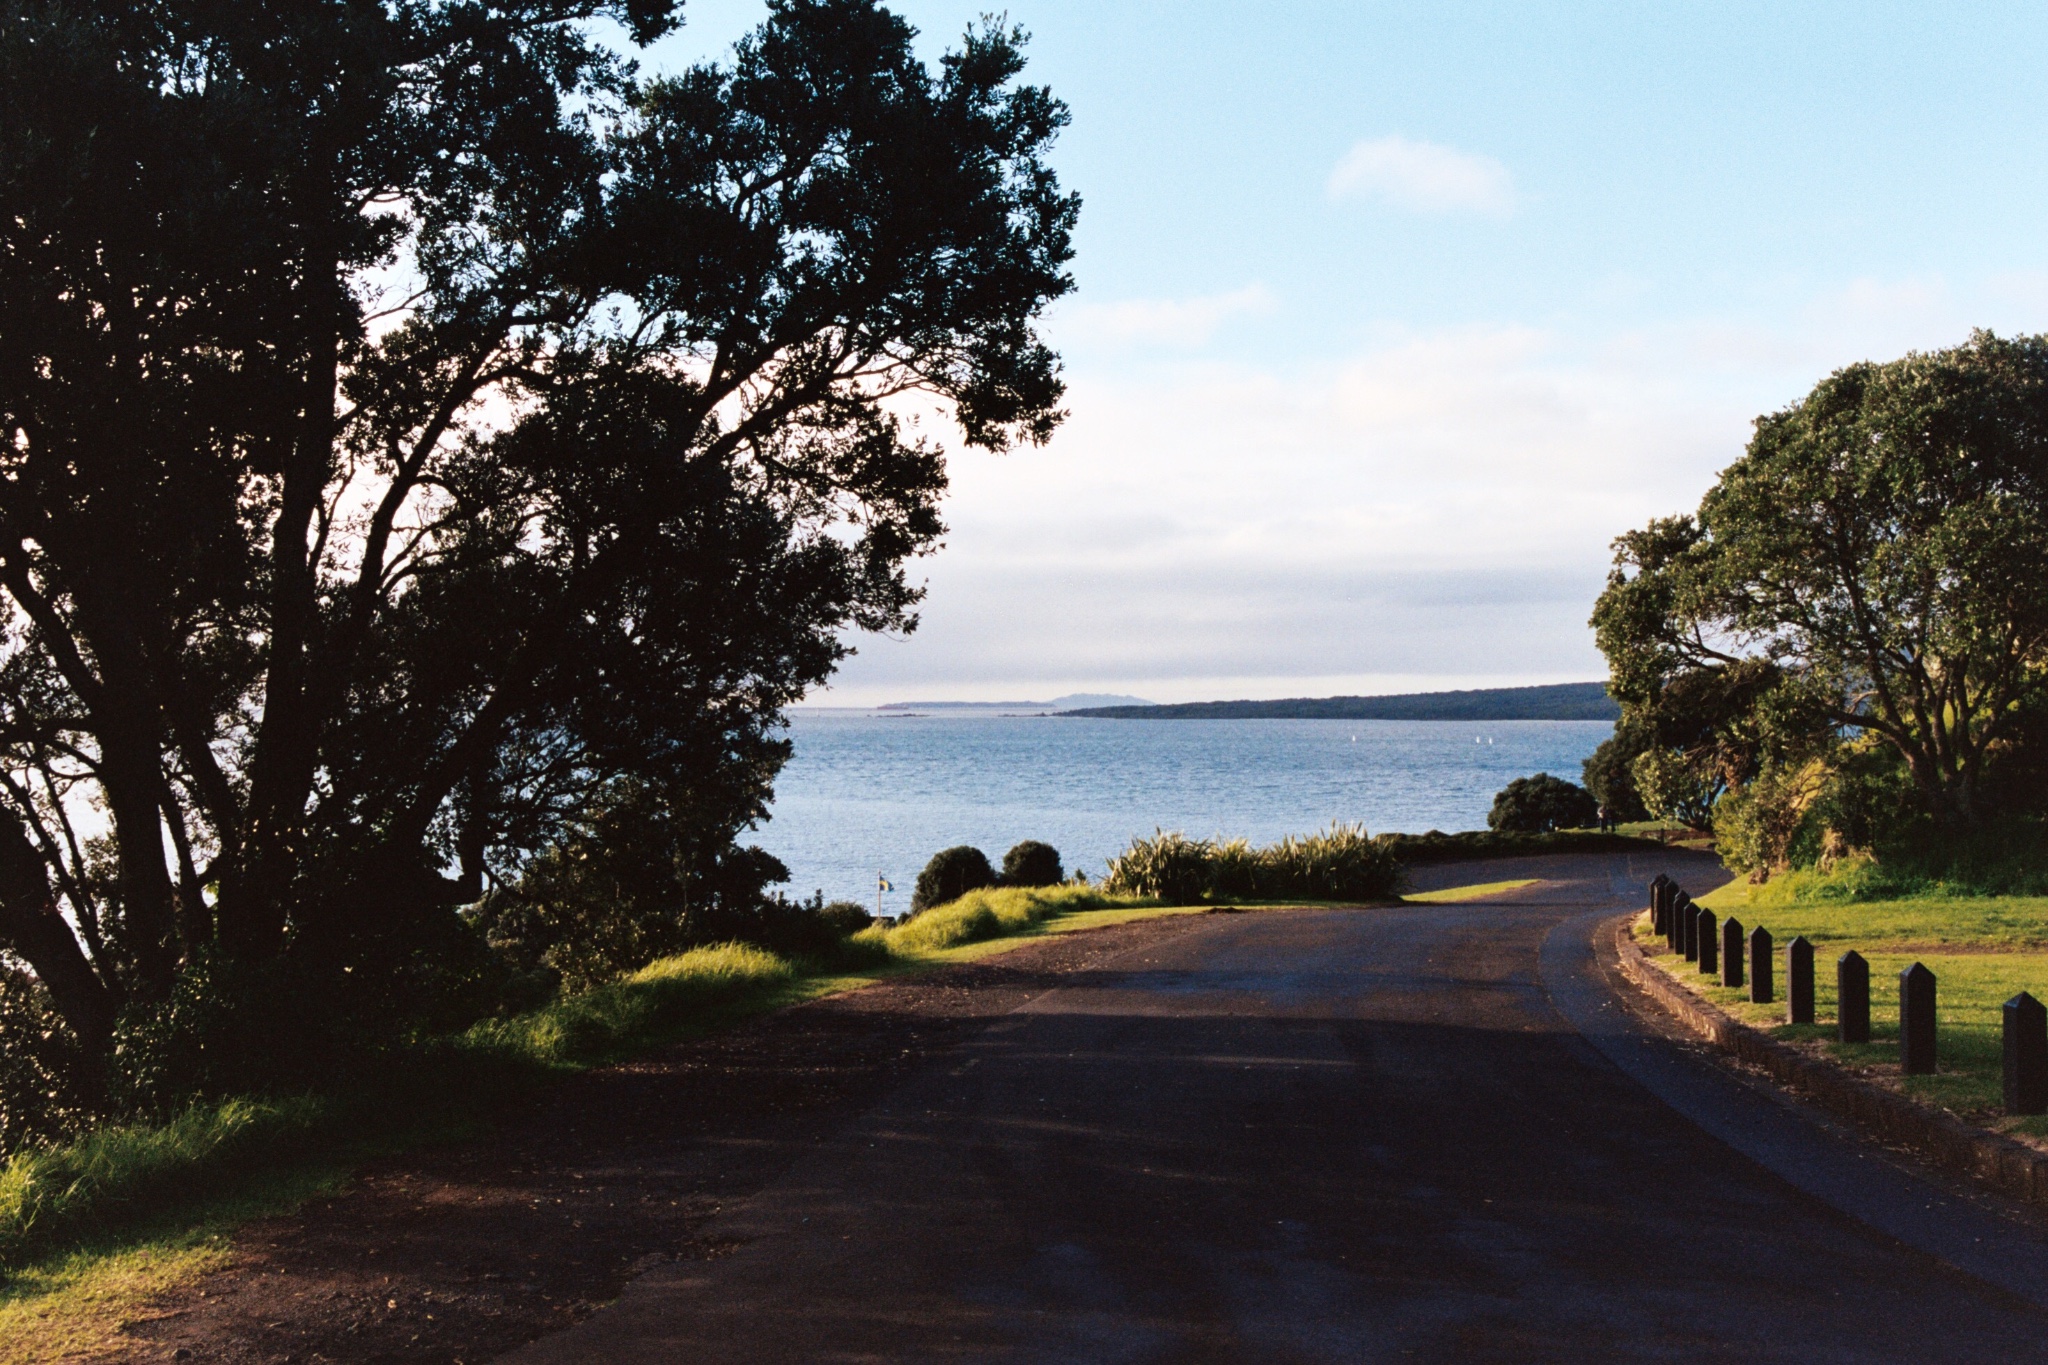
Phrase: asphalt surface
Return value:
(1418, 1133)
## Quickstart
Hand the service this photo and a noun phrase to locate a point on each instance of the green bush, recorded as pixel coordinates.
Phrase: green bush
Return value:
(846, 917)
(1421, 850)
(1532, 805)
(1609, 774)
(1032, 863)
(1172, 867)
(1342, 863)
(951, 874)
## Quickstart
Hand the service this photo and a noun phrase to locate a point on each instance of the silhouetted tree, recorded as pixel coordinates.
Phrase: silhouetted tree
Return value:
(417, 422)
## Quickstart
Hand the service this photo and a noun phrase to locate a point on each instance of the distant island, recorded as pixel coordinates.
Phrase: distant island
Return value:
(1068, 703)
(1557, 701)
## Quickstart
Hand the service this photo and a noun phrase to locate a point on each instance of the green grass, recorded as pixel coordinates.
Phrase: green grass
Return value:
(92, 1230)
(1450, 895)
(1983, 950)
(997, 912)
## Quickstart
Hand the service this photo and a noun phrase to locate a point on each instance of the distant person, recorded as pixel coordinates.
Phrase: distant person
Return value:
(1606, 819)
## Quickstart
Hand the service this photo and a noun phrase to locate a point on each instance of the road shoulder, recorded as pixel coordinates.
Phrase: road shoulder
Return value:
(1988, 1237)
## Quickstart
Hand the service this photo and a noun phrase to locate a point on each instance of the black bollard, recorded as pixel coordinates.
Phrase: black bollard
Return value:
(1916, 1021)
(1689, 929)
(1759, 966)
(1674, 920)
(1852, 997)
(1709, 930)
(1799, 981)
(1659, 908)
(1731, 952)
(2026, 1055)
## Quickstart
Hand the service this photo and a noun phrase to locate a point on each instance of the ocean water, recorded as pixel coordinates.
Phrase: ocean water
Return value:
(871, 793)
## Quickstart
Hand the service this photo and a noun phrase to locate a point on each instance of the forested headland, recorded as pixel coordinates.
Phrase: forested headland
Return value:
(1557, 701)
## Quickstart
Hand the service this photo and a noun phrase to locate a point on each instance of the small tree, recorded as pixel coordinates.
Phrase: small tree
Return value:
(951, 874)
(1532, 805)
(1032, 863)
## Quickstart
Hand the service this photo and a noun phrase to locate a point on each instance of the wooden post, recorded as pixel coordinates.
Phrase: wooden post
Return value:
(1689, 929)
(1759, 966)
(1731, 952)
(1852, 997)
(1799, 981)
(2026, 1055)
(1660, 909)
(1708, 932)
(1916, 1021)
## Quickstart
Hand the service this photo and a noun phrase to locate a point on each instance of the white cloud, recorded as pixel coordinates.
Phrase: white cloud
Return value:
(1170, 322)
(1424, 176)
(1435, 504)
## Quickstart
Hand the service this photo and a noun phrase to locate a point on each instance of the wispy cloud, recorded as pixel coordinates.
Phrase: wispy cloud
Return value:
(1170, 322)
(1426, 177)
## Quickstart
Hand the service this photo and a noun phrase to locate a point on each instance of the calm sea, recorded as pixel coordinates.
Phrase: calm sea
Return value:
(872, 793)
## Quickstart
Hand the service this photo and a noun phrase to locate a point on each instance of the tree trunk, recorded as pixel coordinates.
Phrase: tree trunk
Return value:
(31, 928)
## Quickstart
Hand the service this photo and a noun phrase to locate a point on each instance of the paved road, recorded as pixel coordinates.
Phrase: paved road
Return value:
(1412, 1134)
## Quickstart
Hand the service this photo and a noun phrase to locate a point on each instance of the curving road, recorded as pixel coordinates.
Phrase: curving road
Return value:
(1422, 1133)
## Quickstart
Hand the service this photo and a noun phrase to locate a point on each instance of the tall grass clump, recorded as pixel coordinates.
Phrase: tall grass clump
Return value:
(1341, 863)
(120, 1170)
(659, 1001)
(994, 912)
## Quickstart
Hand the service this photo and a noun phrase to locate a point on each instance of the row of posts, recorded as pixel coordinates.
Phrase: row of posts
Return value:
(1718, 947)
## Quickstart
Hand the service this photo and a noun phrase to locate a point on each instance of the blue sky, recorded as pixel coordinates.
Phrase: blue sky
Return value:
(1392, 316)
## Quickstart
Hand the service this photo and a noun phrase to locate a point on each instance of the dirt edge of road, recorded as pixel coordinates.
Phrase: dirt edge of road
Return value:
(2012, 1168)
(461, 1254)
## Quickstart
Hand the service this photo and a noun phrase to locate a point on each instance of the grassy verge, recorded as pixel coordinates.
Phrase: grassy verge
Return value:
(1983, 950)
(92, 1231)
(1451, 895)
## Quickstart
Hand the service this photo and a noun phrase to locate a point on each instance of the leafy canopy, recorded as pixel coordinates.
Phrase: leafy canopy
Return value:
(421, 428)
(1877, 562)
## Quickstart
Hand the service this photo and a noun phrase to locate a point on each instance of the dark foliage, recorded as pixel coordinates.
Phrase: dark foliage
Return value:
(641, 874)
(846, 917)
(1032, 863)
(1609, 774)
(45, 1092)
(1533, 805)
(951, 874)
(1422, 850)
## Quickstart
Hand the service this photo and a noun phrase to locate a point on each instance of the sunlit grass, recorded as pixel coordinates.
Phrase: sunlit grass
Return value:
(1451, 895)
(1983, 950)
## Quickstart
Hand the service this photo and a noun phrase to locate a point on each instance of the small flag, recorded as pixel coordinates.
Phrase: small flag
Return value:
(882, 883)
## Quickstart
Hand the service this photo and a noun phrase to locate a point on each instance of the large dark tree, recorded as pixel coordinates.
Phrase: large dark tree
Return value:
(416, 422)
(1877, 562)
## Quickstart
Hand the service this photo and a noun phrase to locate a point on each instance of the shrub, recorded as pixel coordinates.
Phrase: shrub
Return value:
(1032, 864)
(1610, 775)
(846, 917)
(1340, 863)
(1532, 805)
(951, 874)
(1172, 867)
(43, 1098)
